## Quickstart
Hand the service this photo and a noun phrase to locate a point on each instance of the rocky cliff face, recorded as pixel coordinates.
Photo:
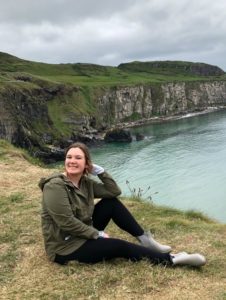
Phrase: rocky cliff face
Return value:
(121, 104)
(24, 114)
(26, 119)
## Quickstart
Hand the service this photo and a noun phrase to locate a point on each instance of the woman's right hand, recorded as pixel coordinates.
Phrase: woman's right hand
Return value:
(103, 234)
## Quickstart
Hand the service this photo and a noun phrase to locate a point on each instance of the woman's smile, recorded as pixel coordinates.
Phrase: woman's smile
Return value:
(75, 162)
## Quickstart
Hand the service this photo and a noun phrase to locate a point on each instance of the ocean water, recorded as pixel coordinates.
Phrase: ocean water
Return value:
(180, 163)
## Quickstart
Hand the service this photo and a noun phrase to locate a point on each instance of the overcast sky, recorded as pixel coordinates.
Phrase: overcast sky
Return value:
(110, 32)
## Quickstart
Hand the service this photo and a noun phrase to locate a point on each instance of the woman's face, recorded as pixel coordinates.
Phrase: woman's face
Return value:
(75, 162)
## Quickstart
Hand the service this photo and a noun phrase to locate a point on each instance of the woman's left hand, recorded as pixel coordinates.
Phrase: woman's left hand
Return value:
(97, 170)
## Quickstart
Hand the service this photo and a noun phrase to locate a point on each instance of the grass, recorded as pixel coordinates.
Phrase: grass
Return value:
(17, 153)
(26, 273)
(92, 75)
(123, 78)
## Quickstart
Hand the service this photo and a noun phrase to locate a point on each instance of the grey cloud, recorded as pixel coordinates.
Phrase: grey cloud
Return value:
(113, 31)
(59, 11)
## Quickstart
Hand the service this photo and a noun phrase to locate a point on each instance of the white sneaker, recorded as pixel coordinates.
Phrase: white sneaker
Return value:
(148, 241)
(183, 258)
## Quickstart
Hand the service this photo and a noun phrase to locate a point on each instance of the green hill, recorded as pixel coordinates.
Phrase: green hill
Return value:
(92, 74)
(173, 68)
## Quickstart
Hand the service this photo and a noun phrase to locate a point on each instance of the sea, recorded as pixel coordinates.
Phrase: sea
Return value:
(179, 163)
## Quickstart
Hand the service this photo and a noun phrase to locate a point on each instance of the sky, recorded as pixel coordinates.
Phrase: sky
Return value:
(110, 32)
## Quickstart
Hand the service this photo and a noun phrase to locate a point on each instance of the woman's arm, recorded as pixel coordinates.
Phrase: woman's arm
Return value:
(108, 188)
(56, 202)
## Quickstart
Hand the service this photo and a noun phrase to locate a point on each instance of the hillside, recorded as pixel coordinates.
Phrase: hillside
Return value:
(25, 272)
(129, 73)
(44, 107)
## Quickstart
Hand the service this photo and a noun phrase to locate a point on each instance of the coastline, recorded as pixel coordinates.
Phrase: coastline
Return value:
(161, 119)
(54, 154)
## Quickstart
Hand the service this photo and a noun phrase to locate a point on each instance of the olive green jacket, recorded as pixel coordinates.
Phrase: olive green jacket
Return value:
(67, 211)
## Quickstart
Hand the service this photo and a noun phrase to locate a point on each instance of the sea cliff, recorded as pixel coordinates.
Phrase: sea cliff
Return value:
(35, 117)
(128, 103)
(52, 105)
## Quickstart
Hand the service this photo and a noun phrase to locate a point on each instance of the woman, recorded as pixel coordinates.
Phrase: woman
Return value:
(73, 227)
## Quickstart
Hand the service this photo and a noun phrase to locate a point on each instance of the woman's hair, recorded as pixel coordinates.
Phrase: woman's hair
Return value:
(85, 150)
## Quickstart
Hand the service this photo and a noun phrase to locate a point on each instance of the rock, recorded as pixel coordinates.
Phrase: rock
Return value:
(139, 137)
(118, 135)
(63, 143)
(50, 155)
(83, 138)
(47, 138)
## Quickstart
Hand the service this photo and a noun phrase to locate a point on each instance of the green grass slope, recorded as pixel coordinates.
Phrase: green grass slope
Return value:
(26, 273)
(126, 74)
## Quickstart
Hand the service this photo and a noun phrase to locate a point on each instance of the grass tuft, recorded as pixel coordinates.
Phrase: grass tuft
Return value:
(16, 197)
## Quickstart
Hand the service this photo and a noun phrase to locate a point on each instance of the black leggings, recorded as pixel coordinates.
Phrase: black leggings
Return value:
(94, 251)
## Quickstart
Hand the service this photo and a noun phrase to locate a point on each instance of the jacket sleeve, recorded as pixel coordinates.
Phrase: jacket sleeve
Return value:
(56, 202)
(108, 188)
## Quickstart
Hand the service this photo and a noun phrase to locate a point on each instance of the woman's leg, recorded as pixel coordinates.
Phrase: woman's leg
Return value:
(94, 251)
(112, 209)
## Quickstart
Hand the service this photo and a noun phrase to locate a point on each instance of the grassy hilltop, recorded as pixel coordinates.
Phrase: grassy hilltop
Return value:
(25, 272)
(84, 74)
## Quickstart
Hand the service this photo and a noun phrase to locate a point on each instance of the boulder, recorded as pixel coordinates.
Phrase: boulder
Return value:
(139, 137)
(49, 156)
(118, 135)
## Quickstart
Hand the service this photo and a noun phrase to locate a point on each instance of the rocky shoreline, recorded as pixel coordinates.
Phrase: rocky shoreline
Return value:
(161, 119)
(119, 133)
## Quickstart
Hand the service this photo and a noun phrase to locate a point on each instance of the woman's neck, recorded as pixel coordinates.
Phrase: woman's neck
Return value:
(75, 179)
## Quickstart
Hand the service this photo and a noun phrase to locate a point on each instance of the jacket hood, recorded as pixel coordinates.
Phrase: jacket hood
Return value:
(44, 180)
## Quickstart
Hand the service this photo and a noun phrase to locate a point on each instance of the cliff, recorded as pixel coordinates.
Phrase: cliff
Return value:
(34, 117)
(29, 115)
(121, 104)
(42, 113)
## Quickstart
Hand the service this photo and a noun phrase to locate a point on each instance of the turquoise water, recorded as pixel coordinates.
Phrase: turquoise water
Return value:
(181, 164)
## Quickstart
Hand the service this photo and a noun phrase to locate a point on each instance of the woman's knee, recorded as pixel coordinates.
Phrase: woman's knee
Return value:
(110, 199)
(108, 202)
